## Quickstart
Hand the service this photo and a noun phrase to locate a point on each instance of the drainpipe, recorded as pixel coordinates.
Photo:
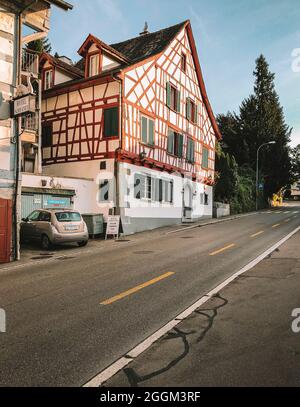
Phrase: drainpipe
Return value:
(116, 163)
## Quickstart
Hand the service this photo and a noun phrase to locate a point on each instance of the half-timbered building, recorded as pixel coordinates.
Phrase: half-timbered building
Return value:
(138, 121)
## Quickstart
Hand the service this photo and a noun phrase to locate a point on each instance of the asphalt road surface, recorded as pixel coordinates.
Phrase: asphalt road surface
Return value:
(68, 319)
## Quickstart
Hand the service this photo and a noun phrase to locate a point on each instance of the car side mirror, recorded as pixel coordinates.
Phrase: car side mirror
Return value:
(25, 220)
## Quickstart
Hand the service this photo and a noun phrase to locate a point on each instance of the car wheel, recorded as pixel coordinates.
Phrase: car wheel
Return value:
(82, 244)
(45, 241)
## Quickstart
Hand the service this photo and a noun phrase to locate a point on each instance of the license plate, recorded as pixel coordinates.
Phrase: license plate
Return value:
(71, 227)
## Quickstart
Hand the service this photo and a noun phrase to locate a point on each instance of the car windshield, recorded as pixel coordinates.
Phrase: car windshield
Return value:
(68, 216)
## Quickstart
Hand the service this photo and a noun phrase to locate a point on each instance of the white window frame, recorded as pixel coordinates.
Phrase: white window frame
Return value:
(48, 79)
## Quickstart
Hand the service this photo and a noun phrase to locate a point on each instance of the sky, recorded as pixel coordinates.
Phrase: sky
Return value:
(229, 34)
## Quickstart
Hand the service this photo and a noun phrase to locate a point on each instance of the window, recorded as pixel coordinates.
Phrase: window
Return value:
(147, 130)
(48, 79)
(204, 157)
(68, 216)
(47, 135)
(154, 189)
(183, 62)
(205, 199)
(34, 216)
(45, 217)
(94, 65)
(190, 150)
(191, 111)
(173, 97)
(111, 122)
(175, 143)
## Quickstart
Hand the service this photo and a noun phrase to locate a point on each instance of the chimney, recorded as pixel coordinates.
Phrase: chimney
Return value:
(145, 29)
(65, 60)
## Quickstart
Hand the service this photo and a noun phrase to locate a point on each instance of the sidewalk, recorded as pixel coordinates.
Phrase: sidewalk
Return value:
(241, 337)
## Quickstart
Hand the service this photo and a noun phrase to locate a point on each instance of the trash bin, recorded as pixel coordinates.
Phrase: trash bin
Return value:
(95, 223)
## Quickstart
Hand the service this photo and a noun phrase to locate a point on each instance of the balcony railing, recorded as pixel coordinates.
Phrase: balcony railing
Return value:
(30, 62)
(30, 122)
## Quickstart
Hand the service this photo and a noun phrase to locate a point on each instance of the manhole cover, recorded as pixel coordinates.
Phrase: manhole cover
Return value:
(144, 252)
(41, 257)
(187, 237)
(122, 241)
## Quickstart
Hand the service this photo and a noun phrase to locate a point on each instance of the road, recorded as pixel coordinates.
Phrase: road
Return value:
(69, 319)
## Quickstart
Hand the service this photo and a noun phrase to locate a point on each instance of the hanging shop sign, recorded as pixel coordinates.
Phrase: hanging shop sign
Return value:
(25, 104)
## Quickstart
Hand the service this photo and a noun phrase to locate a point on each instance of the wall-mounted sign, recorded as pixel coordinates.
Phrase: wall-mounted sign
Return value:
(25, 104)
(113, 225)
(57, 202)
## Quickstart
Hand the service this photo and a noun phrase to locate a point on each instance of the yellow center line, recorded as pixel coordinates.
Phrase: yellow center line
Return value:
(277, 224)
(135, 289)
(222, 250)
(258, 233)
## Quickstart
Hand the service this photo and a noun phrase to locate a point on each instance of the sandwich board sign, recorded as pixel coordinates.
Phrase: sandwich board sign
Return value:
(113, 226)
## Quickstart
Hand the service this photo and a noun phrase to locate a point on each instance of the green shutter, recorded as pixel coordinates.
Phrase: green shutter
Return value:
(171, 142)
(196, 114)
(178, 100)
(111, 122)
(168, 94)
(205, 157)
(188, 109)
(151, 131)
(144, 121)
(180, 145)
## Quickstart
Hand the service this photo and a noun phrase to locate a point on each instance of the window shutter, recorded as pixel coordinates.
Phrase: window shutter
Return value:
(171, 142)
(178, 97)
(180, 145)
(205, 157)
(196, 114)
(151, 131)
(192, 151)
(188, 109)
(168, 94)
(139, 186)
(144, 129)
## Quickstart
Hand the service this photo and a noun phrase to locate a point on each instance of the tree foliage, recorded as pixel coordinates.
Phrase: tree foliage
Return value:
(40, 46)
(260, 120)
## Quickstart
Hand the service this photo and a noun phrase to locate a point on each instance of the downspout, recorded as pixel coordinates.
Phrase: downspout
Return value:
(116, 163)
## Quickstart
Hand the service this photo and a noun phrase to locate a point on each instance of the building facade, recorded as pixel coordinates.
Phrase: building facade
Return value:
(139, 123)
(20, 148)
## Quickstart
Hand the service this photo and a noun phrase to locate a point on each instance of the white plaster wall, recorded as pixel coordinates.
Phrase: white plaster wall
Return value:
(61, 77)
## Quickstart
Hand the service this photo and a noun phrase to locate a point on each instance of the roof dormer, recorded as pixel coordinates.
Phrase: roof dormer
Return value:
(99, 57)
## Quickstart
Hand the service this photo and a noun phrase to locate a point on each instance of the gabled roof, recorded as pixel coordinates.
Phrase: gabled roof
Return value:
(71, 69)
(91, 39)
(147, 45)
(61, 4)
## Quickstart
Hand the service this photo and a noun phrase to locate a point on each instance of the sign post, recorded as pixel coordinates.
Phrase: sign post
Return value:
(113, 226)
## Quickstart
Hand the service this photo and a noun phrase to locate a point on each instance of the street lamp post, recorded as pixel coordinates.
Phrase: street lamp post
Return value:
(257, 168)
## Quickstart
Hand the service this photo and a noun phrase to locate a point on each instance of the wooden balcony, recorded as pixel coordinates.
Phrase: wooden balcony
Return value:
(30, 62)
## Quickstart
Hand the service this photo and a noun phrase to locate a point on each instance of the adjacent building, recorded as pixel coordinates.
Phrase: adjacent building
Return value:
(20, 148)
(135, 118)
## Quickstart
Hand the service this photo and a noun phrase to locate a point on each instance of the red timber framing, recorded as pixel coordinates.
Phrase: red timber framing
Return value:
(145, 94)
(76, 111)
(77, 118)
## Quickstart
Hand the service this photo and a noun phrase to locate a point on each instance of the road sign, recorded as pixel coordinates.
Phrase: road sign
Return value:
(113, 226)
(25, 104)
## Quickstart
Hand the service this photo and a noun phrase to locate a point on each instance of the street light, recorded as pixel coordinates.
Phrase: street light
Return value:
(257, 167)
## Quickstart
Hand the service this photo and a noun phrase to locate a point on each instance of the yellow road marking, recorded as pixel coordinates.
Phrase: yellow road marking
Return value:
(222, 250)
(135, 289)
(258, 233)
(275, 226)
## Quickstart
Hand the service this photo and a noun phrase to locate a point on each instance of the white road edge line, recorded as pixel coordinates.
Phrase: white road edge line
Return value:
(115, 367)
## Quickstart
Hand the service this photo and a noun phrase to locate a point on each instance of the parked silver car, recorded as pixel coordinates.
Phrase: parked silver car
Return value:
(53, 227)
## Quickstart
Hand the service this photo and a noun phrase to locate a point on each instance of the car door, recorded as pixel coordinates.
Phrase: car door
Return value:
(28, 227)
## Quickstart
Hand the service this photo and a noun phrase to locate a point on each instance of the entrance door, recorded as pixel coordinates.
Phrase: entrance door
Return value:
(5, 229)
(187, 202)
